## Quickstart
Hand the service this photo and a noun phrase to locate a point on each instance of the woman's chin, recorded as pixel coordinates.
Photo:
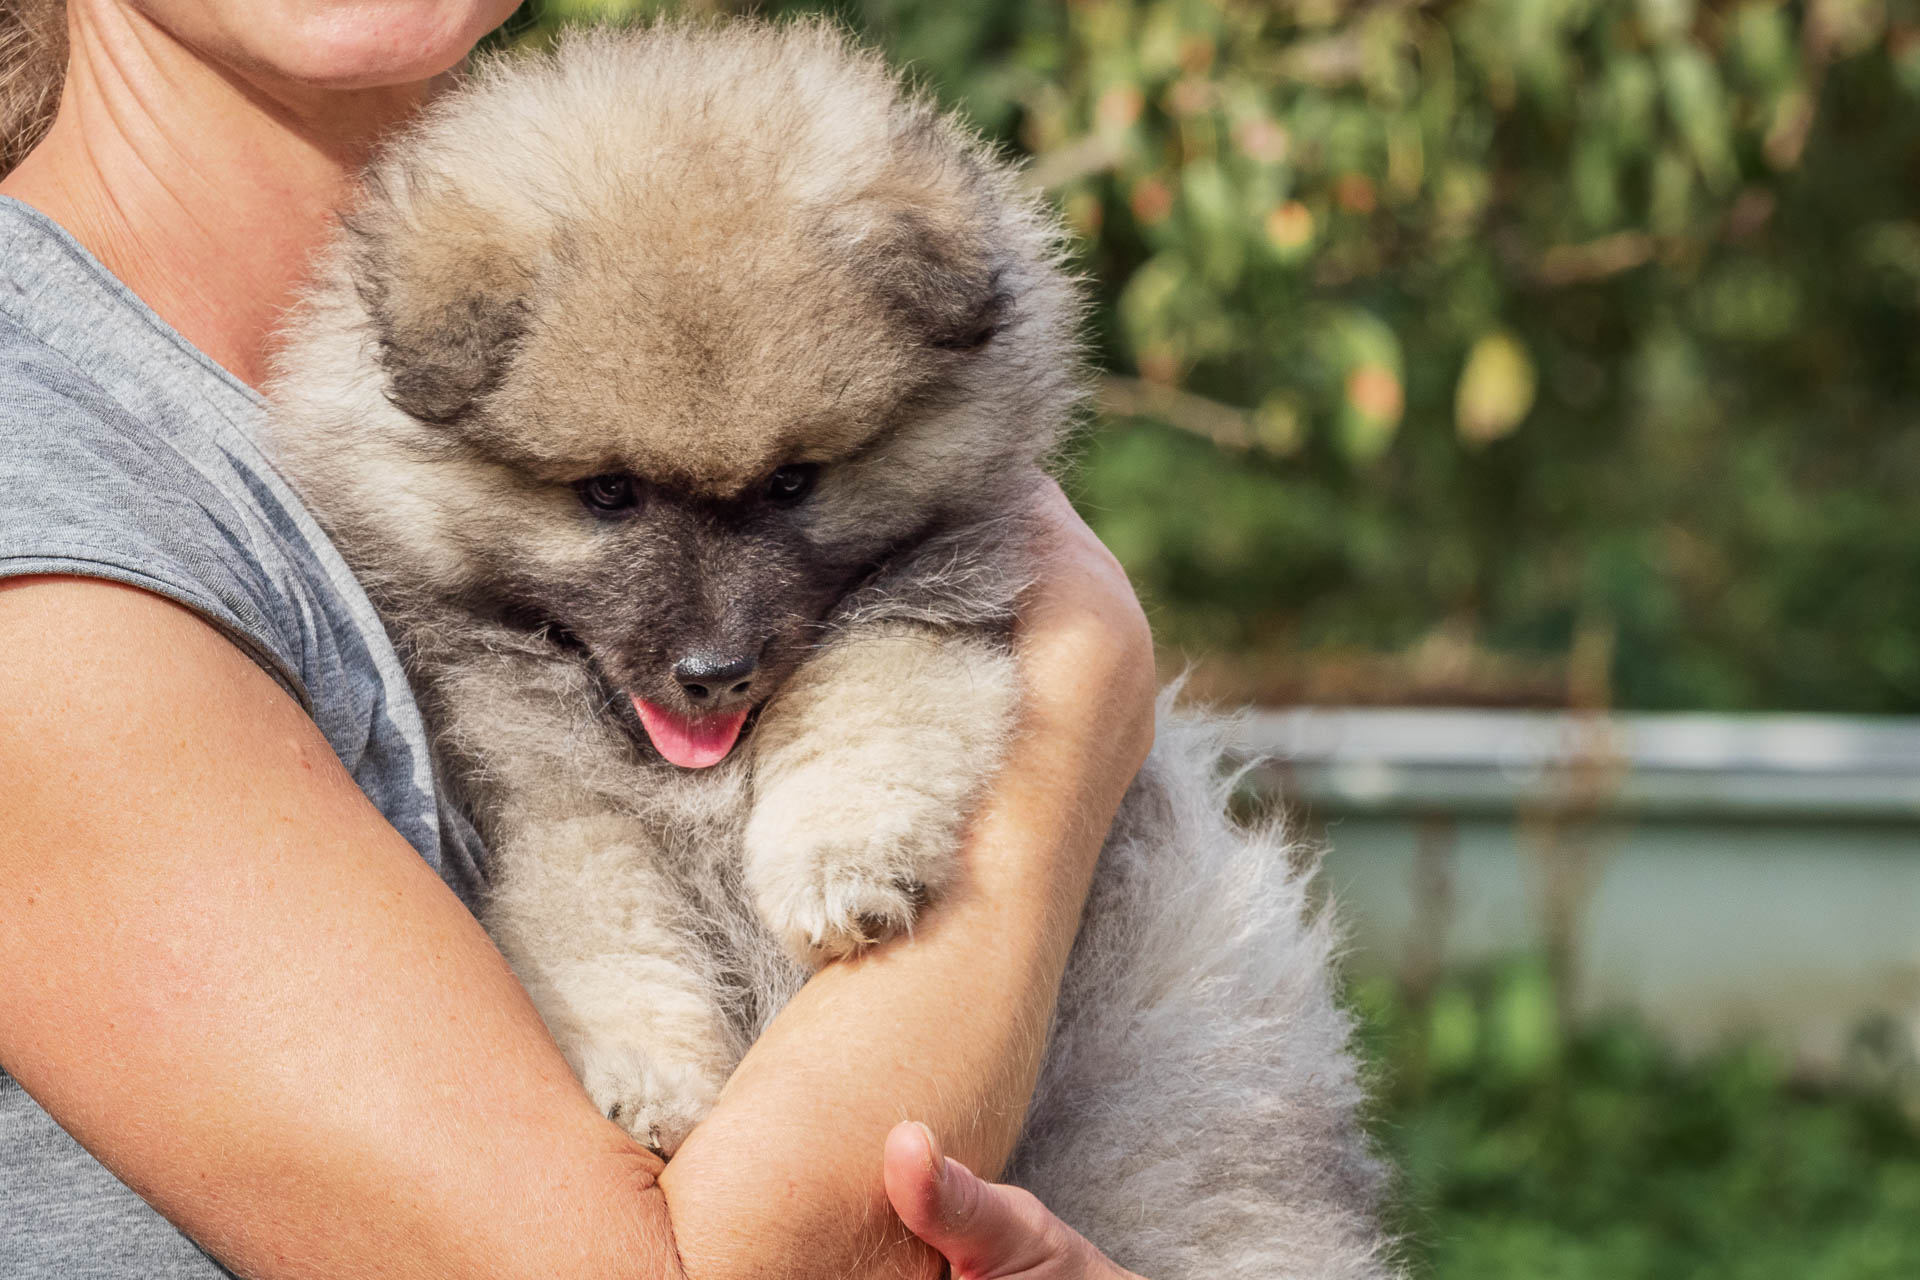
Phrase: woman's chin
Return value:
(351, 45)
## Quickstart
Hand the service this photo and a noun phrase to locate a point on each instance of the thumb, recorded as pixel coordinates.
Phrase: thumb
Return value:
(984, 1231)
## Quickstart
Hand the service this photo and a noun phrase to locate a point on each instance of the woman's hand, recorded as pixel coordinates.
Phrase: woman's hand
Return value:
(985, 1232)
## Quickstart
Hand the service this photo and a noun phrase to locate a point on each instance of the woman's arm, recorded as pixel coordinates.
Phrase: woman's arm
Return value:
(237, 986)
(245, 993)
(814, 1099)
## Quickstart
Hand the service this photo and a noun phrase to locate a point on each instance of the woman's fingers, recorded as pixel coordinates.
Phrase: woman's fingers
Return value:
(985, 1232)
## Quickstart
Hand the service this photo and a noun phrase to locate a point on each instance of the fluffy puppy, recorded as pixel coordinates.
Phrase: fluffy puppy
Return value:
(677, 396)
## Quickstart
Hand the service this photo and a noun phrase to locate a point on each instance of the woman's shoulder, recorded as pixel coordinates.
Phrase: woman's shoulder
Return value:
(127, 455)
(118, 432)
(88, 488)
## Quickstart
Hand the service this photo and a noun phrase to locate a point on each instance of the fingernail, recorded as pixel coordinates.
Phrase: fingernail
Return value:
(936, 1163)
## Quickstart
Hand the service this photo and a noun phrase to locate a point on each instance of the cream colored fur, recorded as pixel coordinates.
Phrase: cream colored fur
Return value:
(859, 801)
(692, 256)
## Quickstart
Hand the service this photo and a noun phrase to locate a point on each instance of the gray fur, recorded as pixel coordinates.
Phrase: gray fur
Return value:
(689, 257)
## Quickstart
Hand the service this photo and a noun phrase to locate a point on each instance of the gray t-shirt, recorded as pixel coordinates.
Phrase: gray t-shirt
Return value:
(127, 454)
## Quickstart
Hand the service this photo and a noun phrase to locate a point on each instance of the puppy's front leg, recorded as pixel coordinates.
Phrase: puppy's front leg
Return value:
(587, 922)
(866, 767)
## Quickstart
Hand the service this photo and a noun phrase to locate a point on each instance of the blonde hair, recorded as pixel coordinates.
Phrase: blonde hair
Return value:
(33, 65)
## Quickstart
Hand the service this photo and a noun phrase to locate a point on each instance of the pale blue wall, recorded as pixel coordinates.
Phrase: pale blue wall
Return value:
(1799, 930)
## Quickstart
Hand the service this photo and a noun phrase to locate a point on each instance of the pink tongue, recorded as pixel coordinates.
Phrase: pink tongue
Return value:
(690, 742)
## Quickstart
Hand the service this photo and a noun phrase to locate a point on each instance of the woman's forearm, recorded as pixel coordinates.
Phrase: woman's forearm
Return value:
(248, 997)
(948, 1026)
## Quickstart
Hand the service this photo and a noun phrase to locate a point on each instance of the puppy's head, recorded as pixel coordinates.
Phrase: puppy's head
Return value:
(686, 332)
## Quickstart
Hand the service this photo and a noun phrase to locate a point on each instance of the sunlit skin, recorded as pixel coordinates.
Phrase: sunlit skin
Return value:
(253, 1001)
(200, 147)
(985, 1232)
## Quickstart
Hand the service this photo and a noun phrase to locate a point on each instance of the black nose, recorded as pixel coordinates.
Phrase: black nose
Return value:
(716, 678)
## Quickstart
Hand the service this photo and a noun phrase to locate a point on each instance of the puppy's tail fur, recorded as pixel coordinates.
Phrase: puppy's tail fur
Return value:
(1198, 1112)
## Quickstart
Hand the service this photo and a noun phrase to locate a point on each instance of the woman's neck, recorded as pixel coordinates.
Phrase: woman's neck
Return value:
(209, 208)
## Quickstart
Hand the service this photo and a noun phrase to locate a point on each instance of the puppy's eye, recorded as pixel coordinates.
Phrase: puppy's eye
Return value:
(608, 493)
(791, 483)
(969, 340)
(981, 328)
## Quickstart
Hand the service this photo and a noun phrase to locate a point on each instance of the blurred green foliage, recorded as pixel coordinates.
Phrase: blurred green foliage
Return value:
(1531, 328)
(1528, 1152)
(1506, 321)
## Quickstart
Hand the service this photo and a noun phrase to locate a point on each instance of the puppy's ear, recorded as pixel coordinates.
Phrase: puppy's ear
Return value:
(930, 261)
(449, 300)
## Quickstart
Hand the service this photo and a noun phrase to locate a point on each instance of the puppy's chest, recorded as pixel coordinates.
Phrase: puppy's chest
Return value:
(524, 738)
(687, 824)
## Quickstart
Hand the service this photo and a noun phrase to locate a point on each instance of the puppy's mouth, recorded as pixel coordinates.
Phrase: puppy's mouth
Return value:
(692, 742)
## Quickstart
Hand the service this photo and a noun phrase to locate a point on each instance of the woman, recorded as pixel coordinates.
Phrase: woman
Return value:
(236, 981)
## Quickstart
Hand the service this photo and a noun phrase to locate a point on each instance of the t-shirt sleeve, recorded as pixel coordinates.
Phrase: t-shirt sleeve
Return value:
(86, 490)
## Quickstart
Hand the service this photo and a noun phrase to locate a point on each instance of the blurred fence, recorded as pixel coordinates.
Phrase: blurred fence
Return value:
(1722, 875)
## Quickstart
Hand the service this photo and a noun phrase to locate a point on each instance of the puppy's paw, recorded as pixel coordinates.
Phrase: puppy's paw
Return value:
(657, 1101)
(866, 768)
(834, 915)
(829, 884)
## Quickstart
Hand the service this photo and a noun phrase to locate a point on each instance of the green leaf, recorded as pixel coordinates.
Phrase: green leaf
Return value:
(1698, 105)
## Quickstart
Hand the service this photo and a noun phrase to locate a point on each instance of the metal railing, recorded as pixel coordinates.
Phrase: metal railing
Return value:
(1657, 765)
